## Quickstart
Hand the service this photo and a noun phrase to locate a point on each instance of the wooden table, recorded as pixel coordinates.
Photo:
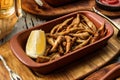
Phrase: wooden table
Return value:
(27, 21)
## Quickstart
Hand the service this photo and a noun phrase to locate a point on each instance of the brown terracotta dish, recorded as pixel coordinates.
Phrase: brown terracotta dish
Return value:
(59, 2)
(110, 72)
(18, 43)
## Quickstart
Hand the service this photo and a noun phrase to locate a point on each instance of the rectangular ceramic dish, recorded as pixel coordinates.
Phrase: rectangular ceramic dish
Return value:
(18, 43)
(109, 72)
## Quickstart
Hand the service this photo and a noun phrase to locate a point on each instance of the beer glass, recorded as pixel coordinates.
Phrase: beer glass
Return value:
(10, 12)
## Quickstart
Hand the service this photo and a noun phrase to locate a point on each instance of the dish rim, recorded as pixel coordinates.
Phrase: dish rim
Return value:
(111, 72)
(107, 7)
(26, 59)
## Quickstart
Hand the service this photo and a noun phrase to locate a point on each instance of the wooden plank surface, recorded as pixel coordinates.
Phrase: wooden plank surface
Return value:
(78, 69)
(75, 70)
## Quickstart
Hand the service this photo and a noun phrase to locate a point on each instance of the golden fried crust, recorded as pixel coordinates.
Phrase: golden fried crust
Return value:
(71, 34)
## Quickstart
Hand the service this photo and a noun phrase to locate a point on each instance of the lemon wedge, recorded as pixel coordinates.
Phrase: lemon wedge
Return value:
(36, 43)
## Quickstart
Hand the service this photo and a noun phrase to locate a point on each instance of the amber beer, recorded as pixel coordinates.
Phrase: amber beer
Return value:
(10, 12)
(8, 7)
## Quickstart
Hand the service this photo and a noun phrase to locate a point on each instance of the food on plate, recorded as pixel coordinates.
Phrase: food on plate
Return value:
(36, 44)
(69, 35)
(111, 2)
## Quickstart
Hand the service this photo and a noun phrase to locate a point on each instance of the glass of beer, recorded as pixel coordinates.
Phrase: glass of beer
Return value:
(10, 12)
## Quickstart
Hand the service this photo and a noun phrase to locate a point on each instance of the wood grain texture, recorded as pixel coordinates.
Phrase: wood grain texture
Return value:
(50, 12)
(76, 70)
(102, 73)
